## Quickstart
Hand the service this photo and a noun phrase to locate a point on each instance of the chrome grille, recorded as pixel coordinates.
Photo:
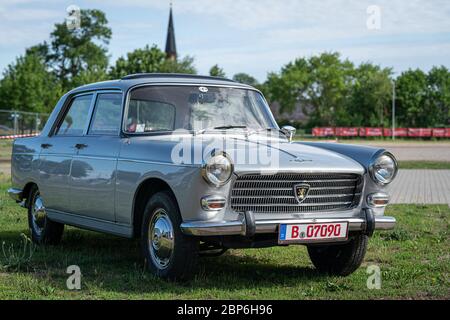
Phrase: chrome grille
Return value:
(275, 193)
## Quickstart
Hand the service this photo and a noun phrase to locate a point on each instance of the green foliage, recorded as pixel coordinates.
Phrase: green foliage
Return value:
(333, 92)
(28, 86)
(370, 97)
(72, 52)
(320, 82)
(150, 59)
(439, 93)
(16, 258)
(412, 106)
(216, 71)
(246, 79)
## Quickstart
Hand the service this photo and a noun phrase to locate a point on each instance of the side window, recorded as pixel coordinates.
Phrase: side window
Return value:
(107, 114)
(75, 120)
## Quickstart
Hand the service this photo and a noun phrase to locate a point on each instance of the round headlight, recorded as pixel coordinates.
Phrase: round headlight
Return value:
(384, 168)
(218, 169)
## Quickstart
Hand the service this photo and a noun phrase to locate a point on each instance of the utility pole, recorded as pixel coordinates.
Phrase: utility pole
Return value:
(393, 109)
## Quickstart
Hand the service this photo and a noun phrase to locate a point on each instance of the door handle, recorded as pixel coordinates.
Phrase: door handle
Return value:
(80, 146)
(46, 145)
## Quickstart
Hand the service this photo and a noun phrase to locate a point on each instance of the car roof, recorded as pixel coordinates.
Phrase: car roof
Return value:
(154, 78)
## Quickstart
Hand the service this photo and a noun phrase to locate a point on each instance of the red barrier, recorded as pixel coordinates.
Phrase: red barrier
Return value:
(347, 132)
(399, 132)
(19, 136)
(419, 132)
(323, 132)
(380, 132)
(439, 132)
(371, 132)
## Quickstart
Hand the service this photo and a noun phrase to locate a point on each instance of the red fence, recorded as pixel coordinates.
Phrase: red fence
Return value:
(381, 132)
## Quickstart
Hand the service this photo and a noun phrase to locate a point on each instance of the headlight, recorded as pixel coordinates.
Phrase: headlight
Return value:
(384, 168)
(218, 169)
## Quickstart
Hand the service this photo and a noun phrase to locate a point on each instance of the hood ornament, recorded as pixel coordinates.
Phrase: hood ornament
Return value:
(300, 160)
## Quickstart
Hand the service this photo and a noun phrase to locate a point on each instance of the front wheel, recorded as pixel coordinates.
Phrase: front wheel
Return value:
(43, 230)
(342, 259)
(169, 253)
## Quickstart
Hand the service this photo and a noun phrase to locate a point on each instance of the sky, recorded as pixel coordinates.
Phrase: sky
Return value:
(252, 36)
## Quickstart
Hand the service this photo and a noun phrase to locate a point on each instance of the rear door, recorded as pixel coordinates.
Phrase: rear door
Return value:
(57, 151)
(94, 163)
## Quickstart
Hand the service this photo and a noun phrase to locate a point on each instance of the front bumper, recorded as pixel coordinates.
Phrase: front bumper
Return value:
(247, 226)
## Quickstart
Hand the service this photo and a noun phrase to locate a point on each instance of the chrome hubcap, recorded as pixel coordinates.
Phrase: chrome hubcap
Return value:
(39, 215)
(161, 239)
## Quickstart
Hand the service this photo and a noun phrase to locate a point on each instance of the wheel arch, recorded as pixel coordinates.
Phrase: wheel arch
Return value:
(26, 190)
(144, 192)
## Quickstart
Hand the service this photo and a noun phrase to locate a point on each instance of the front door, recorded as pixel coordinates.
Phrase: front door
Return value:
(93, 174)
(57, 151)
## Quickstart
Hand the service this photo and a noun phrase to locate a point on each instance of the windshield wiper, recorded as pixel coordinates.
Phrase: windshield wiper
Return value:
(230, 127)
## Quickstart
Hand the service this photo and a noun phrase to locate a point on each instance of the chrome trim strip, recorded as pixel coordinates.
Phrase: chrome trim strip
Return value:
(159, 163)
(292, 205)
(292, 197)
(15, 194)
(222, 228)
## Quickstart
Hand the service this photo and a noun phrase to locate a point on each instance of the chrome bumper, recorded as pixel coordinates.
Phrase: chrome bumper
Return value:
(240, 227)
(15, 194)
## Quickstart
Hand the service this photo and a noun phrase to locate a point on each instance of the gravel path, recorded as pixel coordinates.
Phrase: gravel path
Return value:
(421, 187)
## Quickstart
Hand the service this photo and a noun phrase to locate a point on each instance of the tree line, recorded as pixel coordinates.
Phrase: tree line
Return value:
(330, 90)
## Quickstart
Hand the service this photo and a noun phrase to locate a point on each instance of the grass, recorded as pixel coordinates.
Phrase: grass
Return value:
(414, 261)
(5, 149)
(424, 165)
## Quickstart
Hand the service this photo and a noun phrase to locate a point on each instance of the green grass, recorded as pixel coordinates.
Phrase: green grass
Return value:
(414, 260)
(424, 165)
(5, 149)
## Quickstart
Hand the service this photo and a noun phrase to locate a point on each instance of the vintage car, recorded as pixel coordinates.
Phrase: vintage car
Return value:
(195, 165)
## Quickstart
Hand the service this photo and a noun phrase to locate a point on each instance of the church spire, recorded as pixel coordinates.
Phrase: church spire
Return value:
(171, 48)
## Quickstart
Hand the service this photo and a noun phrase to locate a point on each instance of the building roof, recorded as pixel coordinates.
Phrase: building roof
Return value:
(171, 48)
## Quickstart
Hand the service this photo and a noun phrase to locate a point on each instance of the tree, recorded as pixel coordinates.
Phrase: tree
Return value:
(321, 83)
(28, 86)
(150, 59)
(371, 95)
(216, 71)
(246, 79)
(438, 96)
(72, 52)
(412, 107)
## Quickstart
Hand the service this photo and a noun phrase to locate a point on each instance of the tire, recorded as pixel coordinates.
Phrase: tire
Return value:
(42, 229)
(168, 253)
(340, 260)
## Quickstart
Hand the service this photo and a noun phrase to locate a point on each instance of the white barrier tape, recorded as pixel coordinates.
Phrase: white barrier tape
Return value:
(19, 136)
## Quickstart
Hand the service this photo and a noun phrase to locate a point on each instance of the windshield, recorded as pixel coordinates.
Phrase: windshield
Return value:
(167, 108)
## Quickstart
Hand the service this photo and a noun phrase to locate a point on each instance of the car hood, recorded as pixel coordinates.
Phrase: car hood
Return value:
(253, 155)
(257, 154)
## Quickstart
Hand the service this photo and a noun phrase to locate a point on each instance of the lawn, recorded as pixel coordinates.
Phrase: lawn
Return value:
(442, 165)
(414, 261)
(5, 149)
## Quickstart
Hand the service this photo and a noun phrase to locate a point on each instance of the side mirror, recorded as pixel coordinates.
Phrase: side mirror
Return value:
(289, 132)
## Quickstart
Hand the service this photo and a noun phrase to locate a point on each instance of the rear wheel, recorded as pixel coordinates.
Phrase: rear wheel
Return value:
(43, 230)
(341, 259)
(168, 252)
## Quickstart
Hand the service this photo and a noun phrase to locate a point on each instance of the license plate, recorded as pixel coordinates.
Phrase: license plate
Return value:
(312, 232)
